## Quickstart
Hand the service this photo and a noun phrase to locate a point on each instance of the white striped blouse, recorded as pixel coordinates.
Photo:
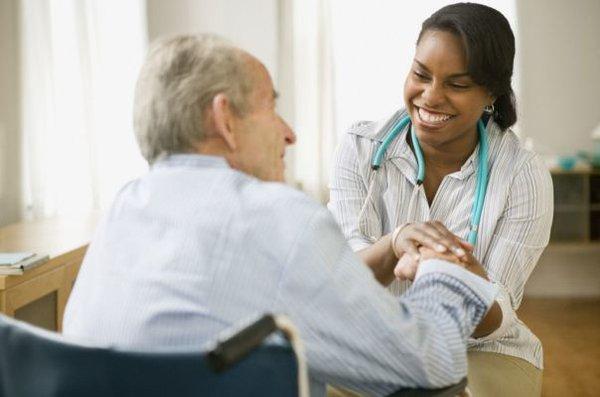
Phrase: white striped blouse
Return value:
(515, 224)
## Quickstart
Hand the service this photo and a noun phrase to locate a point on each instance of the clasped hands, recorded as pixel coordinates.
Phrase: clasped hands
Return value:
(416, 242)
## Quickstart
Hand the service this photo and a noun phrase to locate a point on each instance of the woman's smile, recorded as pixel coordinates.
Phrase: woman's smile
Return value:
(431, 119)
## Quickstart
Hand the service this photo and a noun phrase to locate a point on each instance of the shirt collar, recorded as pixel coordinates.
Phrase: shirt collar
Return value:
(468, 167)
(192, 160)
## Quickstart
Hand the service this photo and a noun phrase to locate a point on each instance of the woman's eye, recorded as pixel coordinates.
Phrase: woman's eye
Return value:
(419, 75)
(459, 86)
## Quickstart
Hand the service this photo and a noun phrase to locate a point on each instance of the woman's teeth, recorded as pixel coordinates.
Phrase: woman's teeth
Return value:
(433, 118)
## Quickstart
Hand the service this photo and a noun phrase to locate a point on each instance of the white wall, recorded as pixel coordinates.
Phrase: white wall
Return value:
(10, 169)
(559, 79)
(560, 105)
(560, 73)
(558, 43)
(251, 24)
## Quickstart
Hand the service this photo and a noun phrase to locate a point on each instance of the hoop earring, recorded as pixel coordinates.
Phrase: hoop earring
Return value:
(489, 109)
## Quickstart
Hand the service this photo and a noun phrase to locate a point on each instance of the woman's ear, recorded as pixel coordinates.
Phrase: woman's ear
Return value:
(224, 118)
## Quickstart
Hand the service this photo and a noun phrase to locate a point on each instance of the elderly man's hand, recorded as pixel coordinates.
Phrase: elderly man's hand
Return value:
(407, 266)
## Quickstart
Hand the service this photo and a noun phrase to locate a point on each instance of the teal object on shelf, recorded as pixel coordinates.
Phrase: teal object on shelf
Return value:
(566, 163)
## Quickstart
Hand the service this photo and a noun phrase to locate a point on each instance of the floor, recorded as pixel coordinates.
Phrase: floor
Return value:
(570, 333)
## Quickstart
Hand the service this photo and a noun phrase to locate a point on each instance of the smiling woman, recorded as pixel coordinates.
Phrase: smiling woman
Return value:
(446, 167)
(443, 101)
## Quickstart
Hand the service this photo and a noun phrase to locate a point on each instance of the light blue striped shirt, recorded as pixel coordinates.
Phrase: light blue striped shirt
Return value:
(194, 247)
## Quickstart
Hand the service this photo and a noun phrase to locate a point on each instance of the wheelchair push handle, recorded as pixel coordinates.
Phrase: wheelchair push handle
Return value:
(233, 349)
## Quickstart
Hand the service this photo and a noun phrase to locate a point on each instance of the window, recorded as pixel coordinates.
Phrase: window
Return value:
(79, 63)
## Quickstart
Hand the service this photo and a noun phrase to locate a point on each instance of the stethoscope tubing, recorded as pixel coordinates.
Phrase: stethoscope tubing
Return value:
(482, 168)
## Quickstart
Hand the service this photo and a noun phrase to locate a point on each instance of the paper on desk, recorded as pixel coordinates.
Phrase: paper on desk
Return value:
(12, 258)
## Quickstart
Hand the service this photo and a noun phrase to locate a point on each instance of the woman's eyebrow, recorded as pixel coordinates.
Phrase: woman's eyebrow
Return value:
(452, 76)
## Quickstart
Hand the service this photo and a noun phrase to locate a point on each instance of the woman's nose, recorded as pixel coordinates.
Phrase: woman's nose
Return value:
(433, 94)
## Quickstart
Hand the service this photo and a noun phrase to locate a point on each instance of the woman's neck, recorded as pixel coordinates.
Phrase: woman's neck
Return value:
(451, 156)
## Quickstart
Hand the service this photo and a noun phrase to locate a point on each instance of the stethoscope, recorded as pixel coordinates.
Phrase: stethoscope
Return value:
(482, 171)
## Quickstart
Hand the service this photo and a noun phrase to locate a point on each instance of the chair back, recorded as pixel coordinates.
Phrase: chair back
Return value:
(38, 363)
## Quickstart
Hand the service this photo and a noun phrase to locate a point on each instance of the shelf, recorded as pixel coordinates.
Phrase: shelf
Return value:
(576, 219)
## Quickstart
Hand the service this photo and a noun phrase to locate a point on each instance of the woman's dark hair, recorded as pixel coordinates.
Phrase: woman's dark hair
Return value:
(489, 48)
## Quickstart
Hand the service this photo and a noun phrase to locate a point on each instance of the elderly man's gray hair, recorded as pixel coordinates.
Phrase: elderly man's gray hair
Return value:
(179, 79)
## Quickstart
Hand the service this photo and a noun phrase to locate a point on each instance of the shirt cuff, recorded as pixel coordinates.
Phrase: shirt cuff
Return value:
(508, 316)
(358, 244)
(484, 289)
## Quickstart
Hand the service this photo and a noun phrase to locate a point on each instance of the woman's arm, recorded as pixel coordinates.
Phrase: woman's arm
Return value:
(348, 193)
(381, 259)
(520, 236)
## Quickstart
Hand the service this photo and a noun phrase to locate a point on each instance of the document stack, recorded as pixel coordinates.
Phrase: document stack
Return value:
(15, 263)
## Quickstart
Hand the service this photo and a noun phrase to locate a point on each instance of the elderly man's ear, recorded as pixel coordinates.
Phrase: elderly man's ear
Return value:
(223, 120)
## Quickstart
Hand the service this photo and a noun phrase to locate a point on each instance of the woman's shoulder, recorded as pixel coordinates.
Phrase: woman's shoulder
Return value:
(357, 144)
(508, 152)
(374, 130)
(363, 134)
(363, 129)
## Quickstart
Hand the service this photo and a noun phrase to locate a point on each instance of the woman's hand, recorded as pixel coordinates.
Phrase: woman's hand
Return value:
(432, 235)
(382, 257)
(407, 266)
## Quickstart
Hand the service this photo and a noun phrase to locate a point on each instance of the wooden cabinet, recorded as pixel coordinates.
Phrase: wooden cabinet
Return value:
(39, 295)
(576, 207)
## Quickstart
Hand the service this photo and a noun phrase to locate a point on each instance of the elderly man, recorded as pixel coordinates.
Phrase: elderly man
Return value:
(209, 237)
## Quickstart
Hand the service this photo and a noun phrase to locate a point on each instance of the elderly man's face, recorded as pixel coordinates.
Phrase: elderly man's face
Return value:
(263, 135)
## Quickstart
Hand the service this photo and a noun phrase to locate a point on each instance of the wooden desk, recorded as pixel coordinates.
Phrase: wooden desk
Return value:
(39, 295)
